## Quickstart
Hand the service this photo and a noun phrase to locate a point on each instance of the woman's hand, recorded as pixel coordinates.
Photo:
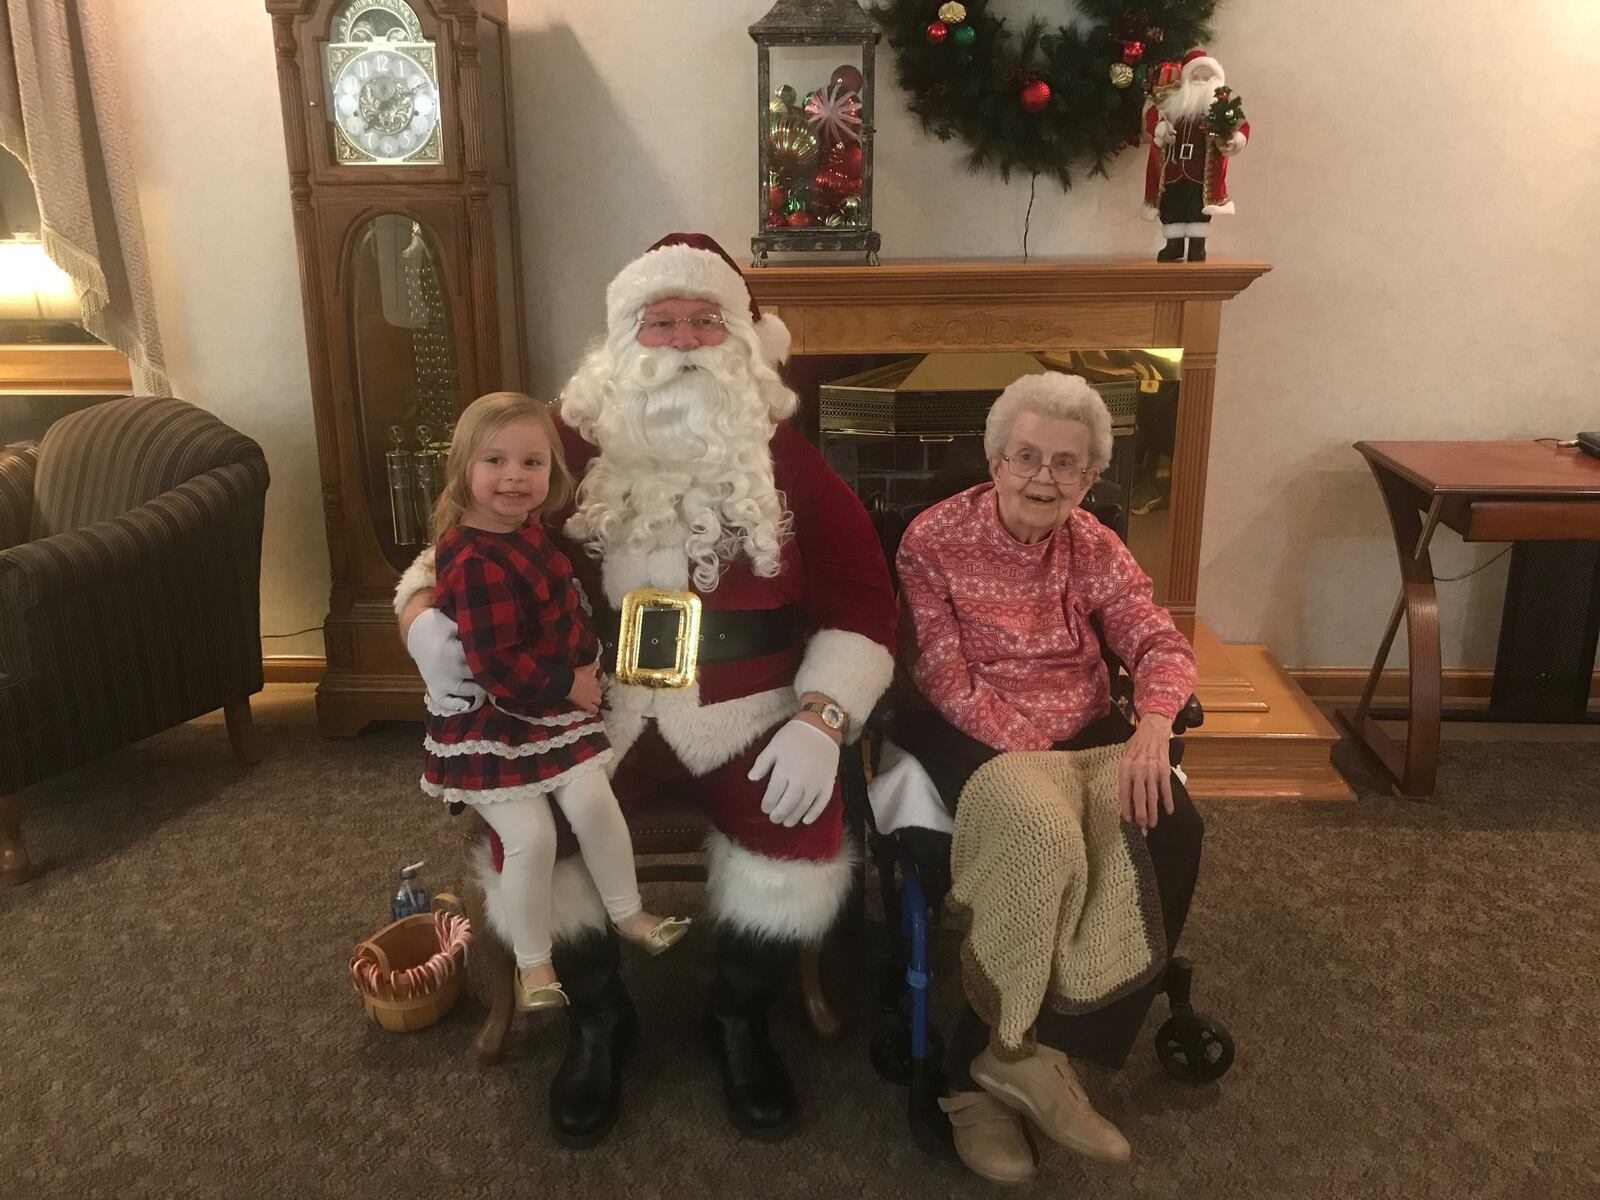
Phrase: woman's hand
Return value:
(1145, 784)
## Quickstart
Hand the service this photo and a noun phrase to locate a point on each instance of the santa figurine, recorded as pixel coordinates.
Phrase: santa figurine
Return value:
(697, 495)
(1186, 179)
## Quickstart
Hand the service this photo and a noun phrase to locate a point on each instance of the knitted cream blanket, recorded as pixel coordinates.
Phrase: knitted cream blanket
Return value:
(1061, 892)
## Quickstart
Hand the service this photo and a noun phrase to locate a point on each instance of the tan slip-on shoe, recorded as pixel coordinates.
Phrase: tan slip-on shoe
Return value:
(1045, 1090)
(989, 1138)
(660, 937)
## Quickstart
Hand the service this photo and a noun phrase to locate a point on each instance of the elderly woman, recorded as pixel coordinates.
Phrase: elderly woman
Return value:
(1006, 584)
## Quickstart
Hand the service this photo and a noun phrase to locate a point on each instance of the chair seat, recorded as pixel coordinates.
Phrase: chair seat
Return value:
(669, 823)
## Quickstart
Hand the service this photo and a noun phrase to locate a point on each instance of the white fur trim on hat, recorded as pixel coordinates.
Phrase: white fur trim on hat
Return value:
(674, 271)
(784, 899)
(1189, 67)
(774, 337)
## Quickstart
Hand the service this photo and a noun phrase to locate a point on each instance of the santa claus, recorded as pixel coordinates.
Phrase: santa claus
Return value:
(699, 502)
(1186, 178)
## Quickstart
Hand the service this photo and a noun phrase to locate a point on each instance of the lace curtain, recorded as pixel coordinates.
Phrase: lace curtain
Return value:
(60, 115)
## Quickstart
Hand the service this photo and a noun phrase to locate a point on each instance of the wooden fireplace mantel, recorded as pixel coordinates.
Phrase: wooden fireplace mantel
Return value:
(1262, 736)
(1042, 304)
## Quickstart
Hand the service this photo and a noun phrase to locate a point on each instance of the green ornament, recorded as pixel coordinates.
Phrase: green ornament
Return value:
(964, 35)
(1140, 74)
(794, 205)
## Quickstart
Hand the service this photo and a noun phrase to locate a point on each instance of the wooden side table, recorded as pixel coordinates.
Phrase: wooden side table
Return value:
(1487, 492)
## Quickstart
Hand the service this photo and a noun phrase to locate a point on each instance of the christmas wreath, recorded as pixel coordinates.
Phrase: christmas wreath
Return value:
(1049, 100)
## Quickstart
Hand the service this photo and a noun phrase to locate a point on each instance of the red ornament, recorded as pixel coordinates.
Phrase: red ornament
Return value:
(936, 32)
(799, 220)
(847, 77)
(776, 197)
(1035, 96)
(1132, 52)
(850, 162)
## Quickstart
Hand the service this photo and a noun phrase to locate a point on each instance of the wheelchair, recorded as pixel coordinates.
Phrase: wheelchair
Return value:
(912, 864)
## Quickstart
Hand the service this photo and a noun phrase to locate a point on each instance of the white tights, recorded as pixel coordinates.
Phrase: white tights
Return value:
(527, 830)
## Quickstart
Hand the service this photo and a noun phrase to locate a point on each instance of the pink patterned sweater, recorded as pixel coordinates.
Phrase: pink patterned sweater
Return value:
(1004, 647)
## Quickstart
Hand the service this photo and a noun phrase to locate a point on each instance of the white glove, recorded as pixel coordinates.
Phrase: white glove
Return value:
(435, 646)
(1233, 145)
(804, 763)
(1164, 133)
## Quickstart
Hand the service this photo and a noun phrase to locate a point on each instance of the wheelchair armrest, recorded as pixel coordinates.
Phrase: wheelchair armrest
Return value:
(1190, 716)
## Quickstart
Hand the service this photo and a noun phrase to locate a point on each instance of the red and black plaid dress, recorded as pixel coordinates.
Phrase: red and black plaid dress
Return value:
(525, 631)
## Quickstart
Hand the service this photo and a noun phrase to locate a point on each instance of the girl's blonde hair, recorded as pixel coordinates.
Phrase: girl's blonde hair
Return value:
(483, 418)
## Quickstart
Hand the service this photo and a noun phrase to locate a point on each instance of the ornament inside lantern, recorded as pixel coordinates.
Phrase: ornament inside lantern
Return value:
(814, 85)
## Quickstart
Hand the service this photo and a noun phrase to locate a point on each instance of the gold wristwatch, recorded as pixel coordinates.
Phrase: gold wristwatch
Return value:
(832, 715)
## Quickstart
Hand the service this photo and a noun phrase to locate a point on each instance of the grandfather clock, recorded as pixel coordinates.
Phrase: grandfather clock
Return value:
(397, 121)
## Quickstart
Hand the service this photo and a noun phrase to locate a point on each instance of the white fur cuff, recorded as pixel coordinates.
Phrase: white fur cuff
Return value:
(785, 899)
(418, 577)
(575, 906)
(852, 669)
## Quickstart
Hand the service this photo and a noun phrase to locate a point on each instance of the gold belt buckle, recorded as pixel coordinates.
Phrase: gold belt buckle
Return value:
(685, 647)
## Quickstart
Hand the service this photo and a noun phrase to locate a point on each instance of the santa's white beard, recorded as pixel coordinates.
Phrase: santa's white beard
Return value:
(683, 437)
(1191, 99)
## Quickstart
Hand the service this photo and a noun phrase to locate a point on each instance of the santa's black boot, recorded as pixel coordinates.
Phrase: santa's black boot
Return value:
(586, 1094)
(756, 1084)
(1197, 249)
(1172, 251)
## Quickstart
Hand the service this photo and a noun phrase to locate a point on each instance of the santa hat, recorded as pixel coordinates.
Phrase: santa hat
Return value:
(692, 265)
(1198, 55)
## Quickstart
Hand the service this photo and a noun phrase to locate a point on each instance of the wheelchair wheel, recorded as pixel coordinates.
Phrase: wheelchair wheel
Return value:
(1194, 1048)
(890, 1050)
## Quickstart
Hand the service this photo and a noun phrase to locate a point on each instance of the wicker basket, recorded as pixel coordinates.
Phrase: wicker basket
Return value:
(409, 974)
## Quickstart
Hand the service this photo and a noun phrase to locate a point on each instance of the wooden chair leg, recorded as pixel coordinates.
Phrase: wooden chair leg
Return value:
(15, 866)
(824, 1018)
(242, 732)
(489, 1046)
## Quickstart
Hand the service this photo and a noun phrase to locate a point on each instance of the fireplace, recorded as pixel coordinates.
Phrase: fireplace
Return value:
(910, 429)
(863, 333)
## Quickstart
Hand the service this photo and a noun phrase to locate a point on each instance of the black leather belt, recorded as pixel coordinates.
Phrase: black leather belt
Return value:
(724, 636)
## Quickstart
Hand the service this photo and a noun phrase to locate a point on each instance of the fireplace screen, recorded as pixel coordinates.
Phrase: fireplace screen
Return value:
(907, 430)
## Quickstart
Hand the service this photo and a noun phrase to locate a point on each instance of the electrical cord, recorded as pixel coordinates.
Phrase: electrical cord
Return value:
(1474, 571)
(296, 633)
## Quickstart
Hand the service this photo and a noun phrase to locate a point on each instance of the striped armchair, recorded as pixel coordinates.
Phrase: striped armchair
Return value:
(130, 569)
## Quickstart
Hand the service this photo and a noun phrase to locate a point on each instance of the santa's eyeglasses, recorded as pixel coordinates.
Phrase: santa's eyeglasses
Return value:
(705, 326)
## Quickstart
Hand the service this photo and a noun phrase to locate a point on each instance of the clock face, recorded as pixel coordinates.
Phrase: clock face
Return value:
(386, 105)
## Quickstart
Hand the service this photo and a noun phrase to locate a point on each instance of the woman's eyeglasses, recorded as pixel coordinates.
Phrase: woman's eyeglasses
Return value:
(706, 325)
(1064, 470)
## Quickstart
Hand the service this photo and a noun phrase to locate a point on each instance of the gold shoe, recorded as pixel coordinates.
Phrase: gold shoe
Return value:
(1045, 1090)
(539, 999)
(989, 1138)
(662, 936)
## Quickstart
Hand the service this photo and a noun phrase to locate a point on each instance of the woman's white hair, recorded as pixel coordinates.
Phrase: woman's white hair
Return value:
(1055, 395)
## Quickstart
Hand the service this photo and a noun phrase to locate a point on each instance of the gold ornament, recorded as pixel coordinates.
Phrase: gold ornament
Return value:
(952, 13)
(850, 210)
(790, 143)
(1121, 75)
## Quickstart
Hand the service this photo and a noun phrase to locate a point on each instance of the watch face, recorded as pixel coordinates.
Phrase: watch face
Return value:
(386, 105)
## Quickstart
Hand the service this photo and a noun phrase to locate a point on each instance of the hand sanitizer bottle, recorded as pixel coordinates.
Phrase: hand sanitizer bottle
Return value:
(411, 897)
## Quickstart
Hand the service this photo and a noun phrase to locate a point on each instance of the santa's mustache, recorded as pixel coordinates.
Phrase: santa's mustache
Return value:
(646, 368)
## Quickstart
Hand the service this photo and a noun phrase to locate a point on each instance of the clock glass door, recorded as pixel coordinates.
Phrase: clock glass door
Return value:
(406, 381)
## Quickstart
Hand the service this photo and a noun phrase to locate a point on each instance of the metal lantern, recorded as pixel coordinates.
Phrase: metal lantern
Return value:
(814, 125)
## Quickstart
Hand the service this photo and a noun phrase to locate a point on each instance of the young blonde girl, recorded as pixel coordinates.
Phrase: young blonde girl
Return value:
(530, 646)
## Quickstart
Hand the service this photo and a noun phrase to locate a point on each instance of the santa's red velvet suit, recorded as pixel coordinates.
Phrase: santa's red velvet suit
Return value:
(818, 618)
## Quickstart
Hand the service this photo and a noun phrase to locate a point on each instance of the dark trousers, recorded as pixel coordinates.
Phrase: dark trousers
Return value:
(1107, 1034)
(1183, 203)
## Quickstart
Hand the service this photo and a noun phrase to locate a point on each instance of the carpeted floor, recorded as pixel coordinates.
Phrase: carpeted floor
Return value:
(1412, 986)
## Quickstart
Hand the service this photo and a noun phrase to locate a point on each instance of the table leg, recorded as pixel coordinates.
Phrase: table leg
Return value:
(1414, 765)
